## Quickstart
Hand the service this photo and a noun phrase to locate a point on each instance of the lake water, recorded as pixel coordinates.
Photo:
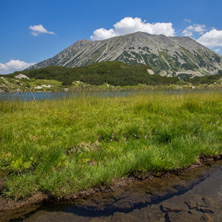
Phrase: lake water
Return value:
(29, 96)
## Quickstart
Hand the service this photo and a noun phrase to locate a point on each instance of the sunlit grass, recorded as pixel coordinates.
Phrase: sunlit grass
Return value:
(63, 146)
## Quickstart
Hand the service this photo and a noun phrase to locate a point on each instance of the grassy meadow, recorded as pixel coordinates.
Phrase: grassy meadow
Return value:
(63, 146)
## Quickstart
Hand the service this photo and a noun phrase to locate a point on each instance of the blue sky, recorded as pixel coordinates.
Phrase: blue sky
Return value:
(34, 30)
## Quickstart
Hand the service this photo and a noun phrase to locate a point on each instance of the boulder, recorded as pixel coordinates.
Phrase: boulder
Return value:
(150, 71)
(21, 76)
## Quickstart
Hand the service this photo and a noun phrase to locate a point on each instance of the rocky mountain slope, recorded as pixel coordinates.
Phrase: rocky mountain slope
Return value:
(171, 56)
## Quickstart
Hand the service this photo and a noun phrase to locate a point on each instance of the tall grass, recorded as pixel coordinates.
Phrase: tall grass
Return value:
(63, 146)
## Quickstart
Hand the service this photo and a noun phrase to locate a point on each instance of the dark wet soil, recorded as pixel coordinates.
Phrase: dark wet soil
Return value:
(193, 195)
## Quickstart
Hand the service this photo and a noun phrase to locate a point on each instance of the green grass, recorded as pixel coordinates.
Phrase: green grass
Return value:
(13, 85)
(61, 147)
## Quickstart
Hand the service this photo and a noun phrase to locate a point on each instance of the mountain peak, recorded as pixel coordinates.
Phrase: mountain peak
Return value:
(169, 56)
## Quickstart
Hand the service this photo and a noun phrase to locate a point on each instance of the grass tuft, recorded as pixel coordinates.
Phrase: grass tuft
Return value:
(64, 146)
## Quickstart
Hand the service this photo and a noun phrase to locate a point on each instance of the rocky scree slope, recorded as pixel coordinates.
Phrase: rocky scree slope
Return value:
(170, 56)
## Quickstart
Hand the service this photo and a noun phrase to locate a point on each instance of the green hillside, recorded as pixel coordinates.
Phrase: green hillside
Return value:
(114, 73)
(209, 79)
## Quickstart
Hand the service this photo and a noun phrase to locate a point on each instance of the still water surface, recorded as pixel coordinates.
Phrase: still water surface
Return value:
(30, 96)
(194, 195)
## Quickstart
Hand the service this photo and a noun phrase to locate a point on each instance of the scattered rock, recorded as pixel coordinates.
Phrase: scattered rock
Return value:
(46, 86)
(209, 202)
(206, 218)
(150, 71)
(21, 76)
(206, 210)
(191, 204)
(167, 207)
(38, 87)
(42, 86)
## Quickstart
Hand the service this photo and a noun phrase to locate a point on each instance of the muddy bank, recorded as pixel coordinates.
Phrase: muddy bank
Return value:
(123, 198)
(10, 209)
(191, 196)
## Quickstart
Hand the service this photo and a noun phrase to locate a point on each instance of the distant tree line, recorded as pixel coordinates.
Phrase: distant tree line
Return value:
(208, 79)
(114, 73)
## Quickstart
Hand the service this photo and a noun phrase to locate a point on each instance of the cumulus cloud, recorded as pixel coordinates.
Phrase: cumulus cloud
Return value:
(211, 39)
(188, 31)
(217, 50)
(38, 29)
(129, 25)
(13, 65)
(102, 33)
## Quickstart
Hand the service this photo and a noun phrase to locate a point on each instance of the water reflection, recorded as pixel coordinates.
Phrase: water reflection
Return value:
(190, 196)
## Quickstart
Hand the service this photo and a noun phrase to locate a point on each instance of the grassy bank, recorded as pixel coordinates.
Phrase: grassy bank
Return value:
(64, 146)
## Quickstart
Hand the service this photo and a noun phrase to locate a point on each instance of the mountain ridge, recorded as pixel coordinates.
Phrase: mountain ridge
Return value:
(170, 56)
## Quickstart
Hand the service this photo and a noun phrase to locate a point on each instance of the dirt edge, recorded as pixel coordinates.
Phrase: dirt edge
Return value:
(7, 204)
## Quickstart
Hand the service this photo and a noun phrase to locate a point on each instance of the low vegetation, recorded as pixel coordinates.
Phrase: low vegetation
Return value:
(69, 145)
(100, 77)
(113, 73)
(8, 84)
(208, 79)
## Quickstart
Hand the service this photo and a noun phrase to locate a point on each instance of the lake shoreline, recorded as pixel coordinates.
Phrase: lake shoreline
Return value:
(97, 92)
(105, 88)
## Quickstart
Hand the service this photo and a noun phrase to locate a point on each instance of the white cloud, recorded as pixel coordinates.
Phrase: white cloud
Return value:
(188, 31)
(212, 38)
(13, 65)
(35, 33)
(103, 34)
(38, 29)
(217, 50)
(129, 25)
(187, 20)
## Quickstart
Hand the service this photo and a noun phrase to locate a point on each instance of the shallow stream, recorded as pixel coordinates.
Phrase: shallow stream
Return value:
(193, 195)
